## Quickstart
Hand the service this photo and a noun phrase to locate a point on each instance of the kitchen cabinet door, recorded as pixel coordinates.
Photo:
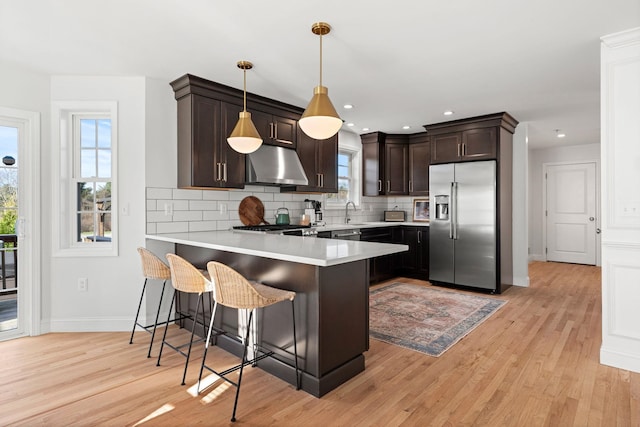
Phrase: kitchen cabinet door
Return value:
(479, 144)
(205, 160)
(372, 164)
(382, 267)
(275, 130)
(198, 128)
(232, 164)
(415, 262)
(419, 158)
(396, 168)
(319, 159)
(446, 148)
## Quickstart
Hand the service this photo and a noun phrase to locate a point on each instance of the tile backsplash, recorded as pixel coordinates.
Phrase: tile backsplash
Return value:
(180, 210)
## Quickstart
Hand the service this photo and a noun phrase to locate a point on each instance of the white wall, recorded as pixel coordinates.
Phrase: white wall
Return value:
(537, 158)
(620, 101)
(520, 218)
(26, 90)
(114, 283)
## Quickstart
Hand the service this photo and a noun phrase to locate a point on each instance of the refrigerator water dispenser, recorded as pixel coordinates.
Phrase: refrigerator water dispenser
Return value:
(442, 208)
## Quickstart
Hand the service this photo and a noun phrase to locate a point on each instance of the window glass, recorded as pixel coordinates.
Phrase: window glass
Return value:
(345, 179)
(93, 192)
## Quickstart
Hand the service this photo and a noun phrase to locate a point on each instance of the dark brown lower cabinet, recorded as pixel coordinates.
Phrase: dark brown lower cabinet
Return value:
(415, 262)
(380, 268)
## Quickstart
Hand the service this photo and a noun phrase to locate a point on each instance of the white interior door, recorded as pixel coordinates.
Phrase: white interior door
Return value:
(571, 213)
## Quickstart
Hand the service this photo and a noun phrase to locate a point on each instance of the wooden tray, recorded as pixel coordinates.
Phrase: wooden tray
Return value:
(251, 211)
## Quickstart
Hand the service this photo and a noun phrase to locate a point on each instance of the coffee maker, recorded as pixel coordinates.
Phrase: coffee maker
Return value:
(313, 208)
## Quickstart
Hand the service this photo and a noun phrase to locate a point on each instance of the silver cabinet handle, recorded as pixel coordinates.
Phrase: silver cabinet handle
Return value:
(379, 186)
(322, 180)
(410, 186)
(458, 149)
(317, 180)
(591, 218)
(419, 237)
(464, 149)
(218, 172)
(388, 187)
(271, 132)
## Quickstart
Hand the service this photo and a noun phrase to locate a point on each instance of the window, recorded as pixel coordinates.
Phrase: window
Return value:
(92, 177)
(85, 218)
(347, 181)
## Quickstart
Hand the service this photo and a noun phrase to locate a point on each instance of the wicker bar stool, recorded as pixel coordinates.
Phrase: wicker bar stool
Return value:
(188, 279)
(233, 290)
(152, 268)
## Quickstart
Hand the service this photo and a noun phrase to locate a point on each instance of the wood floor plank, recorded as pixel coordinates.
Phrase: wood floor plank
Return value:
(535, 362)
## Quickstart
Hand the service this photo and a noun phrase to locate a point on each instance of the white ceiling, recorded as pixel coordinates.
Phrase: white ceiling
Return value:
(398, 62)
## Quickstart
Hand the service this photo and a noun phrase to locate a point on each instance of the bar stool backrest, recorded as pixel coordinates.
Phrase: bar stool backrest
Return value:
(232, 289)
(152, 266)
(187, 278)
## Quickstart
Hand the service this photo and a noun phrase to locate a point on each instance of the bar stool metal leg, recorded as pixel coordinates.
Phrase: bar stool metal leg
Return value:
(135, 322)
(166, 326)
(155, 323)
(244, 360)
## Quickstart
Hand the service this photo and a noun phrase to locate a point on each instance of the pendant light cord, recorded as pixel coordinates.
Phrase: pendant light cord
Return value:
(320, 58)
(245, 90)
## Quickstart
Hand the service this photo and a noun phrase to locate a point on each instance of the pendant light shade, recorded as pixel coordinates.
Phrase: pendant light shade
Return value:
(245, 138)
(320, 120)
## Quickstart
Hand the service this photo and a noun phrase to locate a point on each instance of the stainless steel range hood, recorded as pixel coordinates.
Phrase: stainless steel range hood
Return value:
(273, 165)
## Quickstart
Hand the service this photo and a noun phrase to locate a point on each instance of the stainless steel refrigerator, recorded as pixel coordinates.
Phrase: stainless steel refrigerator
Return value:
(463, 235)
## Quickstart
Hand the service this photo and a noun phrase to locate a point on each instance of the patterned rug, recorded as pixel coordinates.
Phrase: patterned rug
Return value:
(426, 319)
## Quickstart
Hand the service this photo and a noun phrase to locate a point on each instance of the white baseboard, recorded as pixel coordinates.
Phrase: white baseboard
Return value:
(91, 324)
(536, 257)
(629, 362)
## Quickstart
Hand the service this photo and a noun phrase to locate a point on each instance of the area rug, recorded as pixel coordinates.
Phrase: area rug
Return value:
(426, 319)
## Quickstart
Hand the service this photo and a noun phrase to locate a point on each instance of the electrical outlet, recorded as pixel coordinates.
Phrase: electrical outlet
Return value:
(82, 284)
(124, 210)
(223, 208)
(168, 209)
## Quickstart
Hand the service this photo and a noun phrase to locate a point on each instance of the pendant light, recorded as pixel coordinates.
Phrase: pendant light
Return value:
(320, 120)
(245, 137)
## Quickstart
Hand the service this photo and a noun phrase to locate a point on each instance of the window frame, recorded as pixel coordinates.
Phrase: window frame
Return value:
(354, 190)
(66, 149)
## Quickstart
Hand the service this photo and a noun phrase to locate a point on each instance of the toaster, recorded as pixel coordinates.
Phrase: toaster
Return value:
(395, 216)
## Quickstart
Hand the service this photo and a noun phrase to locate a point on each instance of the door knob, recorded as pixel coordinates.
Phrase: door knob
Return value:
(591, 218)
(597, 231)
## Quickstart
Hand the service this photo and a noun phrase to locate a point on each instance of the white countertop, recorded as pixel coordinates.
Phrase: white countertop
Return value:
(304, 250)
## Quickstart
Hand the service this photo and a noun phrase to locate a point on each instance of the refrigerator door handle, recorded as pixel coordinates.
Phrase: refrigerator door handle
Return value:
(454, 210)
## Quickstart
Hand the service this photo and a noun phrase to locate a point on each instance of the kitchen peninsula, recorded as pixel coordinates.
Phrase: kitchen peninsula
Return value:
(331, 281)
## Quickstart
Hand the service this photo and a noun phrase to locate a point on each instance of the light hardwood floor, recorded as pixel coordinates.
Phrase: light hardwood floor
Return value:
(533, 363)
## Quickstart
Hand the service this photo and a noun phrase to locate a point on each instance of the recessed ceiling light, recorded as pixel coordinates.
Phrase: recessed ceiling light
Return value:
(560, 134)
(406, 127)
(365, 129)
(349, 124)
(448, 113)
(348, 106)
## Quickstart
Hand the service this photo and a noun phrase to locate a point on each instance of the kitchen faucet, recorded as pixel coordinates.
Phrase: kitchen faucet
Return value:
(346, 211)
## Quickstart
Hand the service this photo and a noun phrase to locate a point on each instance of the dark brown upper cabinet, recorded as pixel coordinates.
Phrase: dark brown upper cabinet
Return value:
(274, 129)
(419, 159)
(205, 160)
(476, 138)
(319, 159)
(208, 112)
(385, 161)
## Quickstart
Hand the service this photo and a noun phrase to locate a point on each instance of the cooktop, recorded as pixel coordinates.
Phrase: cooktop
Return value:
(270, 227)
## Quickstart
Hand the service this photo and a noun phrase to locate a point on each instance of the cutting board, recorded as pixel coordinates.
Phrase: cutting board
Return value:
(251, 211)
